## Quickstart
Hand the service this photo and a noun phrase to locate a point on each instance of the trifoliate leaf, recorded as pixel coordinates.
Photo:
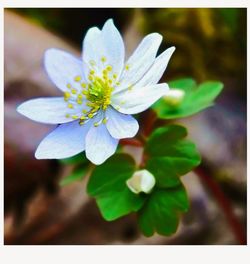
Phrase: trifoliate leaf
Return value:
(186, 84)
(108, 185)
(77, 175)
(195, 99)
(161, 211)
(170, 155)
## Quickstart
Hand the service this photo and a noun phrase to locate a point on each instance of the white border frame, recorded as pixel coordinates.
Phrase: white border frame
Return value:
(115, 254)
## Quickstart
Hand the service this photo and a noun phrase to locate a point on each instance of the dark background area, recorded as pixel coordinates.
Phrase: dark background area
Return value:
(210, 45)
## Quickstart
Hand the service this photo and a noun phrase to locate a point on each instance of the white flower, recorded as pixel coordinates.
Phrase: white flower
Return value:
(141, 181)
(100, 94)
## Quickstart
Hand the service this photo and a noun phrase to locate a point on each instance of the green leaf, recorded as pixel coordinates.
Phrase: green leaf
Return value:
(170, 155)
(195, 100)
(77, 175)
(79, 158)
(108, 185)
(161, 211)
(162, 136)
(186, 84)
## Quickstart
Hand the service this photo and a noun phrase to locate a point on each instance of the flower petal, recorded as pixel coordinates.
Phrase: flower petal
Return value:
(92, 48)
(65, 141)
(99, 144)
(121, 125)
(62, 69)
(107, 45)
(155, 72)
(114, 46)
(138, 99)
(140, 61)
(51, 110)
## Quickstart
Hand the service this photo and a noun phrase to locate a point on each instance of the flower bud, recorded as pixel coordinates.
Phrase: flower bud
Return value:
(141, 181)
(174, 97)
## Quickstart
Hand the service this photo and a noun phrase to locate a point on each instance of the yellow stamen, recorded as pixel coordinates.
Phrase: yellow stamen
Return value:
(70, 106)
(97, 92)
(66, 96)
(73, 91)
(79, 101)
(103, 59)
(78, 78)
(85, 92)
(109, 68)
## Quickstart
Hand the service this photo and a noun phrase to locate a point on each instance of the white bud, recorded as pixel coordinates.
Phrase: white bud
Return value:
(141, 181)
(174, 97)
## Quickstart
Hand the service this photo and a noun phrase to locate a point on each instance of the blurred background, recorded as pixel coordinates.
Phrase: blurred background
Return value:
(210, 45)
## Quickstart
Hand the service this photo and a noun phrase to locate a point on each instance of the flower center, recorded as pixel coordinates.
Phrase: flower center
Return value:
(97, 91)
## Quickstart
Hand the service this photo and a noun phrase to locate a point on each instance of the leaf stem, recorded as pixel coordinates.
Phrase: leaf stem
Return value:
(131, 142)
(148, 117)
(148, 120)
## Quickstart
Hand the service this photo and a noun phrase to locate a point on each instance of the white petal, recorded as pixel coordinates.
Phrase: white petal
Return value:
(106, 44)
(51, 110)
(140, 61)
(114, 46)
(92, 48)
(138, 99)
(141, 181)
(155, 72)
(99, 144)
(121, 125)
(62, 68)
(65, 141)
